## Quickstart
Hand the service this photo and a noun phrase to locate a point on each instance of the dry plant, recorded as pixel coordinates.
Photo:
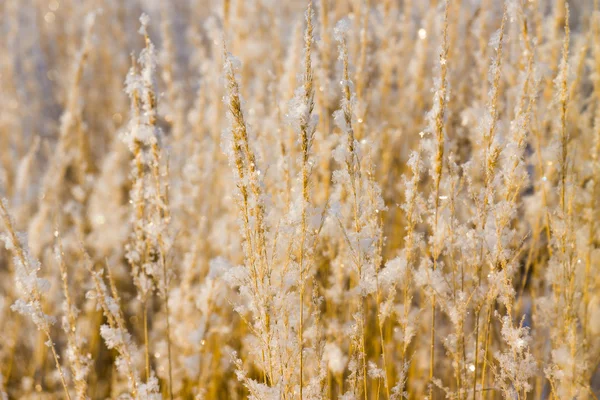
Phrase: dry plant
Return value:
(303, 199)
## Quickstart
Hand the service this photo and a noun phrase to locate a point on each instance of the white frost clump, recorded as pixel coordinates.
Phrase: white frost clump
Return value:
(149, 390)
(375, 372)
(144, 21)
(516, 363)
(114, 337)
(29, 285)
(299, 114)
(393, 272)
(341, 30)
(335, 358)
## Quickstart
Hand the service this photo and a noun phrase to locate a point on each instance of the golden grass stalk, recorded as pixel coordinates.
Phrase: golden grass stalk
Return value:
(33, 296)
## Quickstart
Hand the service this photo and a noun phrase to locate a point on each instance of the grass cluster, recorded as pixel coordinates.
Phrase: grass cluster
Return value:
(320, 199)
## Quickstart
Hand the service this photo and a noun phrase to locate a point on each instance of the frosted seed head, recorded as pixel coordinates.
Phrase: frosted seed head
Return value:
(144, 20)
(341, 30)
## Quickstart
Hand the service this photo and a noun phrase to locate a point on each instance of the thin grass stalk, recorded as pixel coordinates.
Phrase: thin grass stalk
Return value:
(306, 136)
(35, 296)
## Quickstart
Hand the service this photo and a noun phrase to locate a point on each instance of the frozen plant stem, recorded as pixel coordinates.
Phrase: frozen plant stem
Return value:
(306, 135)
(249, 184)
(490, 160)
(354, 172)
(140, 240)
(438, 168)
(77, 368)
(114, 318)
(33, 297)
(161, 208)
(564, 134)
(596, 171)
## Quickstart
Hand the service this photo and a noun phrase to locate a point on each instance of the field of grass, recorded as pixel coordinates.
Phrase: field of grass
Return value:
(300, 199)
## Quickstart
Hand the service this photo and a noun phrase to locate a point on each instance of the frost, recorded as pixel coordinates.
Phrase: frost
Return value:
(335, 358)
(442, 207)
(218, 267)
(144, 21)
(340, 120)
(375, 372)
(113, 337)
(342, 27)
(393, 272)
(495, 39)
